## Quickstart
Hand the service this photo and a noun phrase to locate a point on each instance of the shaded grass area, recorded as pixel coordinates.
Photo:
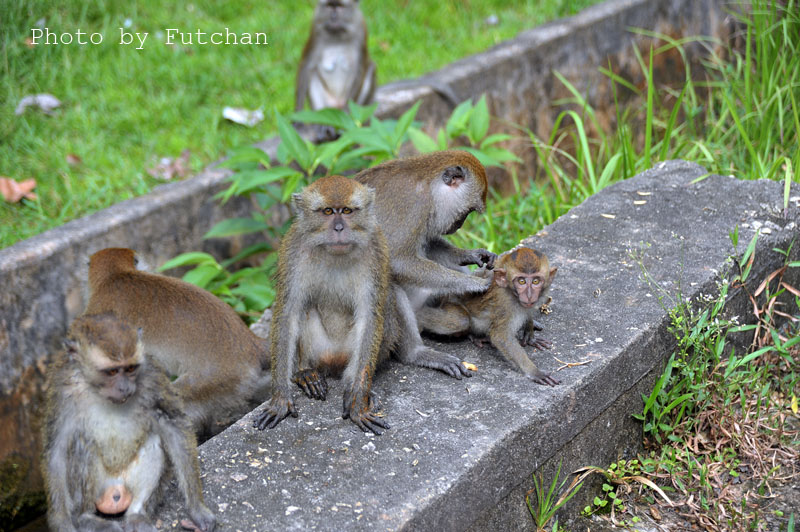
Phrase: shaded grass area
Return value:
(125, 108)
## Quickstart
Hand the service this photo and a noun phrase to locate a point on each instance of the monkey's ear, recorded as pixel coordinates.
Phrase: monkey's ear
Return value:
(369, 197)
(296, 204)
(500, 277)
(553, 272)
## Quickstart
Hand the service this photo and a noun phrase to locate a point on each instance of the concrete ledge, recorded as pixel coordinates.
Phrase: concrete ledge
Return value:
(460, 454)
(43, 279)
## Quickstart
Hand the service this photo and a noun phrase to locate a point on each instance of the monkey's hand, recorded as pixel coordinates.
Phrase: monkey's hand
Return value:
(481, 257)
(544, 378)
(360, 408)
(312, 382)
(202, 520)
(528, 337)
(278, 409)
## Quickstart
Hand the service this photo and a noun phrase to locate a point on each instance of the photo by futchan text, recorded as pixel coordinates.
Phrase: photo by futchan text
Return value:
(169, 36)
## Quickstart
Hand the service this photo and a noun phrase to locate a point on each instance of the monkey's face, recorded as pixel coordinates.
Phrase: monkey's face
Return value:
(337, 16)
(113, 378)
(526, 273)
(335, 213)
(456, 193)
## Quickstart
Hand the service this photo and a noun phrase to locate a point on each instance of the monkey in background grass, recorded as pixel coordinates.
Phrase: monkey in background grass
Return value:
(504, 314)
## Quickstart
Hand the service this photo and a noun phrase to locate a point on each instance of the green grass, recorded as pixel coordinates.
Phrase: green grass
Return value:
(125, 108)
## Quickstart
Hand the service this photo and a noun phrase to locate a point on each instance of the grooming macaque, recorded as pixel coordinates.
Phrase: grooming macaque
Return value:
(417, 200)
(331, 293)
(113, 431)
(505, 313)
(335, 66)
(217, 364)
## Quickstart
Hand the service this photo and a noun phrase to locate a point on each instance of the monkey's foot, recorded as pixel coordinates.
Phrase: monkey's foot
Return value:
(96, 523)
(544, 378)
(202, 520)
(312, 382)
(273, 414)
(138, 523)
(479, 341)
(430, 358)
(362, 412)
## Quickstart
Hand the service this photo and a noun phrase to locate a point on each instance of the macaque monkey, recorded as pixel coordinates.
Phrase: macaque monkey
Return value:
(331, 293)
(217, 364)
(505, 313)
(417, 200)
(113, 432)
(335, 66)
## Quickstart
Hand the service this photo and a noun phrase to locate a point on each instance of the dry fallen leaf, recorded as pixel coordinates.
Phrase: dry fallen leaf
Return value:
(45, 102)
(640, 202)
(73, 160)
(13, 191)
(611, 216)
(167, 167)
(471, 367)
(29, 42)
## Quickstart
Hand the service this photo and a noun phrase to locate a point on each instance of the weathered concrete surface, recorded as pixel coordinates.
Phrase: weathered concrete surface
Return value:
(460, 454)
(43, 278)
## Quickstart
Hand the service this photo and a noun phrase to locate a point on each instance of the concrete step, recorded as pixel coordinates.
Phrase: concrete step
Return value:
(460, 454)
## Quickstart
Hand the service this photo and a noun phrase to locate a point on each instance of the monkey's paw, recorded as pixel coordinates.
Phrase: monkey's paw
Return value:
(480, 341)
(312, 382)
(544, 379)
(528, 338)
(361, 411)
(273, 414)
(202, 520)
(481, 257)
(430, 358)
(138, 523)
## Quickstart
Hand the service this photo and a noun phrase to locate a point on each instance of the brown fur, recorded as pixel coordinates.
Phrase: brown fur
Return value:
(419, 199)
(96, 448)
(217, 362)
(500, 313)
(349, 39)
(320, 292)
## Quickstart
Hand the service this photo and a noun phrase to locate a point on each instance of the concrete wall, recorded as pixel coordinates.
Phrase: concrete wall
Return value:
(43, 278)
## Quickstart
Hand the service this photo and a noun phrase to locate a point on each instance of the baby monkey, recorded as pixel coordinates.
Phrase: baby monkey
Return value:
(504, 314)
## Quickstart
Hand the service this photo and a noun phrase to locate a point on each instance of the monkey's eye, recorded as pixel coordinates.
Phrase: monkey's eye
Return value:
(347, 210)
(521, 280)
(111, 372)
(327, 211)
(130, 370)
(537, 281)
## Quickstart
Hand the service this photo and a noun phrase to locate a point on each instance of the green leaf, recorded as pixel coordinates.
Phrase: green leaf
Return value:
(236, 226)
(494, 139)
(327, 117)
(202, 275)
(479, 121)
(245, 155)
(295, 146)
(185, 259)
(421, 141)
(361, 114)
(457, 123)
(290, 186)
(404, 123)
(247, 181)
